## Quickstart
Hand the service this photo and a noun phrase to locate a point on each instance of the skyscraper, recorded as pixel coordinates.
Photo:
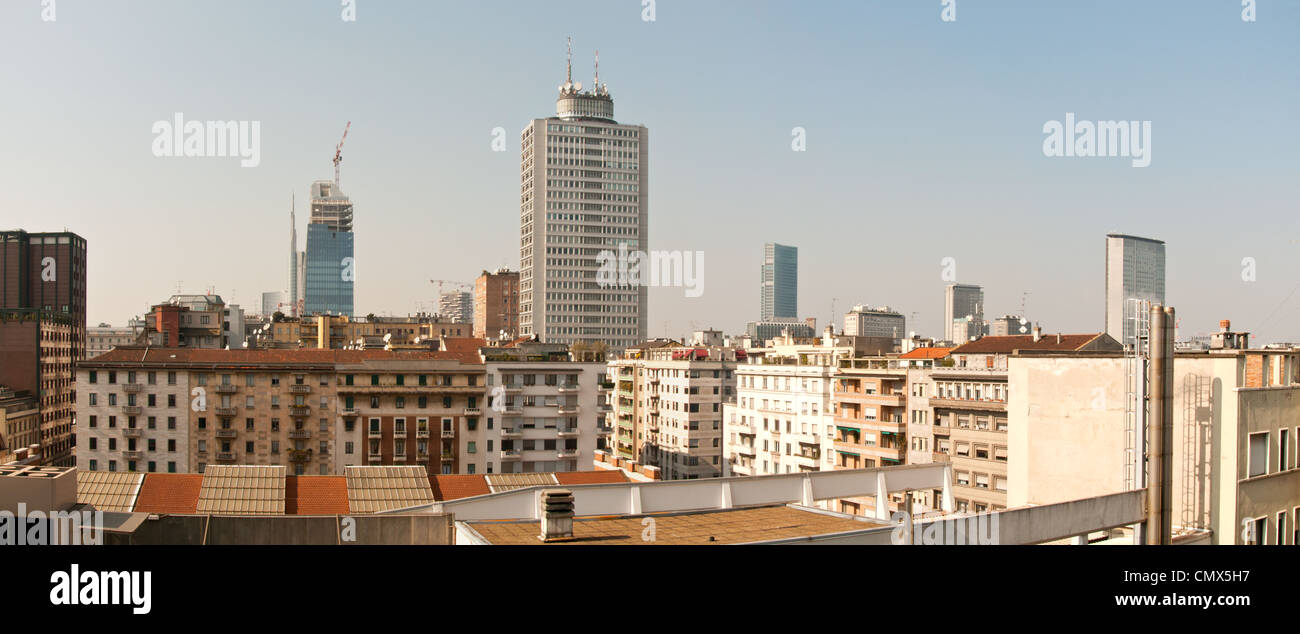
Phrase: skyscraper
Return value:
(959, 302)
(583, 194)
(780, 282)
(1135, 269)
(330, 264)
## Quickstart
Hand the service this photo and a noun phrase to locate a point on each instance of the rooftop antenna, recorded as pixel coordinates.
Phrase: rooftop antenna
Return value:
(568, 73)
(595, 86)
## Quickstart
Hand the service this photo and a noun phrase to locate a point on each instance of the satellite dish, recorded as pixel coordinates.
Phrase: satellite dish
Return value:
(1022, 321)
(577, 85)
(388, 337)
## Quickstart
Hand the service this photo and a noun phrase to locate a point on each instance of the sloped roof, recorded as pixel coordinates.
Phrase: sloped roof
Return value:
(926, 353)
(1006, 344)
(174, 493)
(316, 495)
(109, 490)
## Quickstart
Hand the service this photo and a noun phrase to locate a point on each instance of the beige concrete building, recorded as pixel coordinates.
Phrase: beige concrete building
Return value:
(668, 407)
(1236, 420)
(20, 423)
(496, 304)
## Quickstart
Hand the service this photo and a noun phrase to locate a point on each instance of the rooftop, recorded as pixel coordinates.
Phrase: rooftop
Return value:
(1006, 344)
(139, 355)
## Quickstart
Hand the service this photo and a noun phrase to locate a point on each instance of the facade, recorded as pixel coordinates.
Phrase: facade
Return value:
(104, 337)
(779, 282)
(545, 411)
(275, 302)
(341, 331)
(961, 301)
(1010, 325)
(293, 270)
(46, 272)
(330, 258)
(1135, 270)
(667, 410)
(761, 331)
(191, 321)
(456, 306)
(883, 321)
(496, 304)
(36, 347)
(20, 423)
(583, 197)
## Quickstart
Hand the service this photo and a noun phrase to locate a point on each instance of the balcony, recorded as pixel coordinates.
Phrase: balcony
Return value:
(746, 450)
(604, 386)
(349, 412)
(512, 410)
(225, 456)
(225, 433)
(299, 410)
(473, 411)
(984, 405)
(511, 432)
(374, 458)
(568, 453)
(571, 432)
(132, 388)
(567, 388)
(513, 388)
(300, 434)
(224, 388)
(132, 432)
(132, 410)
(568, 409)
(447, 456)
(604, 431)
(299, 455)
(511, 454)
(422, 433)
(448, 433)
(226, 411)
(299, 389)
(133, 455)
(604, 408)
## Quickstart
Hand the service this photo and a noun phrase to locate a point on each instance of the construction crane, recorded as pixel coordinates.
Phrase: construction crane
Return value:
(338, 152)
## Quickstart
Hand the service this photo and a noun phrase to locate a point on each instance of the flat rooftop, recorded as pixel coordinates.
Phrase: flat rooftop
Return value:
(732, 526)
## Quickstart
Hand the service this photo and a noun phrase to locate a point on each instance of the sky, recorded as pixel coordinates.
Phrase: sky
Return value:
(923, 141)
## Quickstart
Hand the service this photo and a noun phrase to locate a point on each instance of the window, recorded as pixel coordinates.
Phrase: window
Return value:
(171, 467)
(1258, 448)
(1282, 456)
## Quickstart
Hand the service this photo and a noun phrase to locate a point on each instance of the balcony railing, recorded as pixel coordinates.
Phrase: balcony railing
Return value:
(567, 432)
(225, 433)
(300, 434)
(567, 388)
(473, 411)
(350, 412)
(224, 388)
(448, 433)
(422, 433)
(511, 432)
(132, 388)
(568, 409)
(375, 458)
(568, 453)
(225, 456)
(300, 455)
(299, 389)
(226, 411)
(133, 455)
(132, 410)
(511, 454)
(132, 432)
(299, 410)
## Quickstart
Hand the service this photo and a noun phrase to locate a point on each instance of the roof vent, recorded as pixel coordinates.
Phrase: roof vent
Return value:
(556, 510)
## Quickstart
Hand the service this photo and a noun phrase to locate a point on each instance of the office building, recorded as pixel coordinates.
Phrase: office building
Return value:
(330, 262)
(294, 266)
(780, 282)
(1135, 272)
(1010, 325)
(583, 203)
(963, 302)
(883, 321)
(496, 304)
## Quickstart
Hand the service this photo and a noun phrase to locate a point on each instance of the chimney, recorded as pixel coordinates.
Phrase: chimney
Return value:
(1038, 333)
(1225, 325)
(1058, 338)
(556, 510)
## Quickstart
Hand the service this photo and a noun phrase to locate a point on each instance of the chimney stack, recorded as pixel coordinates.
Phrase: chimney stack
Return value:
(1038, 333)
(1225, 325)
(556, 510)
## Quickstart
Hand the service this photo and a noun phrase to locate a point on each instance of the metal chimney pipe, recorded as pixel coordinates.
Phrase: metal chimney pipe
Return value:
(1160, 429)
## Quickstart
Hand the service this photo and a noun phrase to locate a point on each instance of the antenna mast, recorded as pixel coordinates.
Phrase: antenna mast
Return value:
(568, 73)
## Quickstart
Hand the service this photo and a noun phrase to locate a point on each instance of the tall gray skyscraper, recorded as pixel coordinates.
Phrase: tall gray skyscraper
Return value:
(293, 261)
(780, 282)
(583, 200)
(959, 302)
(1135, 269)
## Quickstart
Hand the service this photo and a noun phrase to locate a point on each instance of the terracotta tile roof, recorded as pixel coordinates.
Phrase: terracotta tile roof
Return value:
(176, 493)
(463, 348)
(316, 495)
(926, 353)
(1010, 343)
(592, 477)
(454, 487)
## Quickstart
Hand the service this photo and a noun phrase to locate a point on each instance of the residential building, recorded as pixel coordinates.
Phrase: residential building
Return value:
(331, 265)
(963, 302)
(36, 347)
(20, 423)
(968, 398)
(46, 272)
(1135, 272)
(456, 306)
(882, 321)
(668, 407)
(545, 410)
(1236, 418)
(584, 179)
(190, 321)
(496, 304)
(104, 337)
(779, 282)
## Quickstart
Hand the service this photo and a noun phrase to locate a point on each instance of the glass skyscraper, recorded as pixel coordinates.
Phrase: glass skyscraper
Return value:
(331, 264)
(780, 282)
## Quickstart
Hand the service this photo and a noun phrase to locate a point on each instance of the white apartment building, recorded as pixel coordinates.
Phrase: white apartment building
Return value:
(133, 420)
(583, 184)
(545, 412)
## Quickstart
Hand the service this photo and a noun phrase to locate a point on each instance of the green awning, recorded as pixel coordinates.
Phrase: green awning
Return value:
(850, 453)
(852, 429)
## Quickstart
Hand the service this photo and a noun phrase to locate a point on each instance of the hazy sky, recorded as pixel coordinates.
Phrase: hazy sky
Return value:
(924, 141)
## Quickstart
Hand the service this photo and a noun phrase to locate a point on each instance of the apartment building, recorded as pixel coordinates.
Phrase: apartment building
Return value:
(668, 408)
(783, 419)
(1236, 417)
(312, 411)
(341, 331)
(20, 423)
(496, 304)
(968, 399)
(546, 410)
(37, 349)
(104, 337)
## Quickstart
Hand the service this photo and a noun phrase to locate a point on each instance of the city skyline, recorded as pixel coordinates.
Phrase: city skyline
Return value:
(994, 198)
